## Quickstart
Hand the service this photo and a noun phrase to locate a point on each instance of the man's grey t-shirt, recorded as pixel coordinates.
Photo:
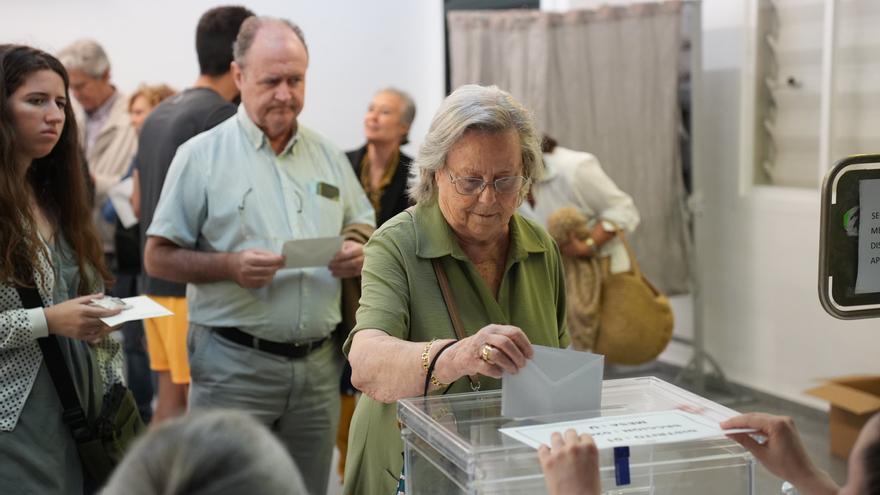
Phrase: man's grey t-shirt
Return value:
(171, 124)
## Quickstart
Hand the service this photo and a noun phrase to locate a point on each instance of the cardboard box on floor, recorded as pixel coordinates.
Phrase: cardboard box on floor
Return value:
(854, 399)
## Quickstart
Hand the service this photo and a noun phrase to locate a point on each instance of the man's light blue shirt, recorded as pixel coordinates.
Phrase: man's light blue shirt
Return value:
(227, 191)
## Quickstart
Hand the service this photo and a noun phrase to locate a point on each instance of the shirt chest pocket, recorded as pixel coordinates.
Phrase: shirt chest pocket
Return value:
(252, 223)
(325, 209)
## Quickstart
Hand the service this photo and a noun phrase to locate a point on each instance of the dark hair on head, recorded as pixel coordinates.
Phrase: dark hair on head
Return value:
(56, 179)
(548, 144)
(215, 35)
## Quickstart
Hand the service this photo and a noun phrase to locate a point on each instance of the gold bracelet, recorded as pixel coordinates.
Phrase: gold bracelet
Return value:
(426, 352)
(436, 382)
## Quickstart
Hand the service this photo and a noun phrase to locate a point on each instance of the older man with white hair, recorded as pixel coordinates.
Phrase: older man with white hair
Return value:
(260, 334)
(106, 134)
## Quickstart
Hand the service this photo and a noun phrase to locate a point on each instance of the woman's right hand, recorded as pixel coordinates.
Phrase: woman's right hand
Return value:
(509, 350)
(78, 319)
(783, 453)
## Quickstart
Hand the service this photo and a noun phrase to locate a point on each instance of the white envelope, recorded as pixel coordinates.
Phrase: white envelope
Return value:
(554, 381)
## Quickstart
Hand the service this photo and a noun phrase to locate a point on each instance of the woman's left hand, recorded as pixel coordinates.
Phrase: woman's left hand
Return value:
(575, 247)
(493, 350)
(571, 464)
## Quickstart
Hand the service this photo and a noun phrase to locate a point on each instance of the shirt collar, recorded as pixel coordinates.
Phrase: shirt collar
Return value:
(434, 237)
(102, 112)
(256, 136)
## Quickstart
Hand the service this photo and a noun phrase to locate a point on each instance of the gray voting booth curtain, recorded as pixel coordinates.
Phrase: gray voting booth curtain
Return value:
(603, 81)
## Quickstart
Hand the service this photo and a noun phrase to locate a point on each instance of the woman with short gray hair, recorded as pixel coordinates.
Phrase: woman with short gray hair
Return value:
(457, 289)
(85, 55)
(473, 107)
(383, 169)
(207, 453)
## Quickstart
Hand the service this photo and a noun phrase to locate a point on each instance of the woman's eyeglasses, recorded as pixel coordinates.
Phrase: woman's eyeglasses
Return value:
(470, 186)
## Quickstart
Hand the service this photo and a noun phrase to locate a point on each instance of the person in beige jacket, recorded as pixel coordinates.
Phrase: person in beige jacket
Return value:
(106, 134)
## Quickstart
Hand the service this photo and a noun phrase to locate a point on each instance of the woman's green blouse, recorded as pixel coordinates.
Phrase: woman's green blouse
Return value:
(401, 296)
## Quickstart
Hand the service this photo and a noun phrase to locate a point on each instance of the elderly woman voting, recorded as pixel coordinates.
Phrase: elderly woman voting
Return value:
(502, 274)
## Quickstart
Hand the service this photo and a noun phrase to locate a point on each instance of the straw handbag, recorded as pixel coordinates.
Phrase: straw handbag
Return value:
(620, 315)
(636, 319)
(583, 279)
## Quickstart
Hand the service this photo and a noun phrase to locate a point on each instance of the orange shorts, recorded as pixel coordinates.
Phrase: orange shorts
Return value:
(166, 339)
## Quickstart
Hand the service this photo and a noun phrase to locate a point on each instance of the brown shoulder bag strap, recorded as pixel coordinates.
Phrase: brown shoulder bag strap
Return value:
(457, 325)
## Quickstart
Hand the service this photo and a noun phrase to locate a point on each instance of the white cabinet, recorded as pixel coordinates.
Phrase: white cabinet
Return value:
(810, 89)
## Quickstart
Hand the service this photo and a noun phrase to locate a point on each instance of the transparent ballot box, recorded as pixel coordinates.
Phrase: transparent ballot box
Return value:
(452, 446)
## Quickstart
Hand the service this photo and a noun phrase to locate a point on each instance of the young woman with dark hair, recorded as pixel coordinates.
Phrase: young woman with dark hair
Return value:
(47, 243)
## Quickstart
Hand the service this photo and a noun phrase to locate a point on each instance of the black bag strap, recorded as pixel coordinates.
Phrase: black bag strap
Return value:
(74, 416)
(452, 308)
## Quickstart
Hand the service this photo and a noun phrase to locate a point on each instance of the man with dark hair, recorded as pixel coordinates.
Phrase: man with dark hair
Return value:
(173, 122)
(215, 35)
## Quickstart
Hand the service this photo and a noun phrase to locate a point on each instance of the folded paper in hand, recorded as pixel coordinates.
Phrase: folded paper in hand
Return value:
(554, 381)
(141, 308)
(304, 253)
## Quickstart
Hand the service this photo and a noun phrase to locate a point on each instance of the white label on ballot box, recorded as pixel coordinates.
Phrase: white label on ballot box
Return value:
(868, 277)
(628, 430)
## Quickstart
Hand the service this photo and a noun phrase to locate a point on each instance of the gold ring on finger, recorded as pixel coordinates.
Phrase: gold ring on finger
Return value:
(486, 353)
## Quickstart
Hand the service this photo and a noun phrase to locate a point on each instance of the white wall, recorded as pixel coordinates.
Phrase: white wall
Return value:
(760, 250)
(356, 48)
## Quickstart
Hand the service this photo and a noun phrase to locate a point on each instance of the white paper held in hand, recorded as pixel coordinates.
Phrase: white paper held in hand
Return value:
(306, 253)
(142, 307)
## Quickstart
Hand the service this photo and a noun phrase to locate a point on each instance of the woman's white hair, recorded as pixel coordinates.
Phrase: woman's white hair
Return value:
(473, 107)
(85, 55)
(408, 112)
(214, 452)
